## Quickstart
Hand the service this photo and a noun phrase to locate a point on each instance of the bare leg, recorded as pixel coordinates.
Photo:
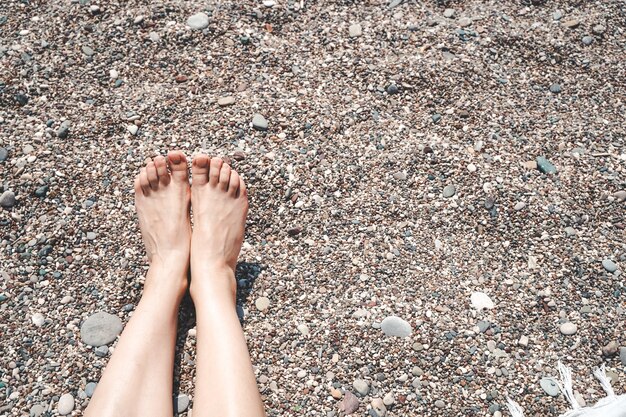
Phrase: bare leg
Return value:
(225, 383)
(138, 379)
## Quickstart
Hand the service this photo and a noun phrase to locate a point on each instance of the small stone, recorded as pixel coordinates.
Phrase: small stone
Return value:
(395, 3)
(303, 329)
(587, 40)
(440, 404)
(436, 118)
(557, 15)
(355, 30)
(64, 130)
(259, 122)
(400, 176)
(226, 101)
(349, 404)
(262, 303)
(66, 404)
(568, 328)
(609, 265)
(520, 205)
(36, 410)
(100, 329)
(388, 399)
(379, 407)
(555, 88)
(598, 29)
(294, 231)
(471, 168)
(622, 355)
(38, 319)
(7, 199)
(489, 202)
(550, 386)
(87, 50)
(138, 20)
(449, 191)
(336, 393)
(523, 341)
(571, 23)
(448, 13)
(465, 21)
(102, 351)
(182, 403)
(480, 301)
(66, 300)
(4, 154)
(395, 326)
(545, 166)
(483, 325)
(90, 388)
(570, 231)
(361, 386)
(198, 21)
(154, 37)
(132, 129)
(620, 196)
(610, 349)
(392, 89)
(91, 236)
(21, 99)
(41, 191)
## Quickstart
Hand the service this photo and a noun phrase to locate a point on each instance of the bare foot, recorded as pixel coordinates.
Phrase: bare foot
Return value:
(219, 201)
(162, 201)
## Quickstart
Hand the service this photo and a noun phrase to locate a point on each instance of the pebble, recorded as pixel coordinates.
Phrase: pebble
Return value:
(388, 399)
(622, 355)
(392, 89)
(568, 328)
(609, 265)
(259, 122)
(448, 13)
(520, 205)
(465, 21)
(102, 351)
(436, 117)
(4, 154)
(555, 88)
(523, 341)
(336, 393)
(549, 386)
(480, 301)
(355, 30)
(598, 29)
(449, 191)
(91, 236)
(557, 15)
(198, 21)
(87, 50)
(545, 166)
(132, 129)
(349, 404)
(379, 407)
(36, 410)
(90, 388)
(100, 329)
(64, 130)
(262, 303)
(38, 319)
(587, 40)
(610, 349)
(361, 386)
(620, 196)
(41, 191)
(471, 168)
(440, 404)
(66, 404)
(395, 326)
(182, 403)
(571, 24)
(21, 99)
(226, 101)
(303, 329)
(7, 199)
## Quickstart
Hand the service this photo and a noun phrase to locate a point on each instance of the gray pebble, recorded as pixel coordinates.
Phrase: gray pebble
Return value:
(90, 388)
(182, 402)
(549, 386)
(568, 328)
(465, 21)
(4, 154)
(100, 329)
(7, 199)
(64, 130)
(259, 122)
(102, 351)
(198, 21)
(622, 355)
(557, 15)
(37, 410)
(87, 50)
(41, 191)
(545, 166)
(91, 236)
(598, 29)
(555, 88)
(395, 326)
(587, 40)
(448, 13)
(440, 404)
(392, 89)
(609, 265)
(361, 386)
(355, 30)
(66, 404)
(449, 191)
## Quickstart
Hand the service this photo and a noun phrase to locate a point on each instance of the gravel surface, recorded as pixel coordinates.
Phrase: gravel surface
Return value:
(400, 156)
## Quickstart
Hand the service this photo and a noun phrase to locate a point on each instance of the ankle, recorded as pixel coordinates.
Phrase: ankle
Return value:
(211, 280)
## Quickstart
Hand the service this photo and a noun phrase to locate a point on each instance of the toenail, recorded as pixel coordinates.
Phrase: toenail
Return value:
(202, 162)
(175, 158)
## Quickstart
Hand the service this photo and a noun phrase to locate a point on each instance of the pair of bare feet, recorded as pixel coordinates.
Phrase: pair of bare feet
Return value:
(164, 200)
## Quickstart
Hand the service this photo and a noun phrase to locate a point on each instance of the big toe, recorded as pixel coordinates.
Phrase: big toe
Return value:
(200, 169)
(178, 165)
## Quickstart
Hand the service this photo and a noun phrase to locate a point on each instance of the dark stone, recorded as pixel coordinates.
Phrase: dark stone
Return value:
(21, 99)
(555, 88)
(4, 154)
(436, 117)
(392, 89)
(41, 191)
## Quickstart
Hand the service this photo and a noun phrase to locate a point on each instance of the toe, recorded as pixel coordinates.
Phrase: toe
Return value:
(224, 177)
(153, 176)
(200, 169)
(137, 185)
(214, 171)
(243, 190)
(233, 185)
(178, 166)
(161, 168)
(144, 184)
